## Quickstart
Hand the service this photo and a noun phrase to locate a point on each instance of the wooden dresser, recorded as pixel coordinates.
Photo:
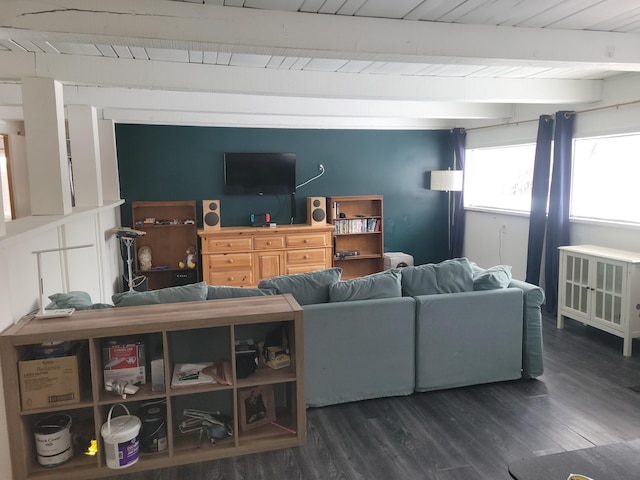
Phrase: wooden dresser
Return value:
(242, 256)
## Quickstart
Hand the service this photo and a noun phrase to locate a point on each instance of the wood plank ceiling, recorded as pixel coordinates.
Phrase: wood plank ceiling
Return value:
(434, 61)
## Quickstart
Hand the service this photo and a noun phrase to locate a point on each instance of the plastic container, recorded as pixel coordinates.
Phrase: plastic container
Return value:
(121, 442)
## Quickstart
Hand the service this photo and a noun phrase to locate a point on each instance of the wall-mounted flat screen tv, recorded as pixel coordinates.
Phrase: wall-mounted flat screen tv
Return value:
(259, 173)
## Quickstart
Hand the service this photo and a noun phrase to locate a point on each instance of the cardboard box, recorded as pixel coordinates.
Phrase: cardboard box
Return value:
(124, 362)
(49, 382)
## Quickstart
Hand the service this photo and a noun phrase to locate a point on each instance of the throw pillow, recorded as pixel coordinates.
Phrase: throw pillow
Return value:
(450, 276)
(307, 288)
(215, 292)
(76, 299)
(377, 285)
(183, 293)
(492, 278)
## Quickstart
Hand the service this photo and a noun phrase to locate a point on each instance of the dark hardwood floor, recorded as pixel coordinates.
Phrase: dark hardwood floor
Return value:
(585, 398)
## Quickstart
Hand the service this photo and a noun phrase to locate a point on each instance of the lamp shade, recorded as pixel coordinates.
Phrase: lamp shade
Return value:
(446, 180)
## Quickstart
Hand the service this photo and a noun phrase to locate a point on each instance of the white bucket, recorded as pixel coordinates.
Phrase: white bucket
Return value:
(121, 443)
(53, 440)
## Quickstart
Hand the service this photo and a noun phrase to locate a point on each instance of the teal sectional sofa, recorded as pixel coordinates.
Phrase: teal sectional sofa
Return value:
(439, 326)
(416, 329)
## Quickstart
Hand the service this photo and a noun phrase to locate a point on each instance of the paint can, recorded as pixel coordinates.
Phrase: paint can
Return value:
(120, 435)
(153, 437)
(54, 444)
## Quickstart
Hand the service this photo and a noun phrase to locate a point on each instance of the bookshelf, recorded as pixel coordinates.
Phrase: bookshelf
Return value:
(358, 223)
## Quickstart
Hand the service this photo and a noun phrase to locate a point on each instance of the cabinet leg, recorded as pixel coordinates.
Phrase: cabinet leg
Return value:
(560, 323)
(626, 346)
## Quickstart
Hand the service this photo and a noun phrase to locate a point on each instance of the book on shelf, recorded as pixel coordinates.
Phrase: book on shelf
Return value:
(357, 225)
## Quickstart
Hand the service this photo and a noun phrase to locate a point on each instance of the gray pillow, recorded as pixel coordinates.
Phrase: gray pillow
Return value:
(183, 293)
(307, 288)
(76, 299)
(450, 276)
(215, 292)
(377, 285)
(492, 278)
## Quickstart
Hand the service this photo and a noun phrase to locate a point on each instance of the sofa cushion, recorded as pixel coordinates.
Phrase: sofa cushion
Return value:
(492, 278)
(215, 292)
(450, 276)
(76, 299)
(307, 288)
(378, 285)
(183, 293)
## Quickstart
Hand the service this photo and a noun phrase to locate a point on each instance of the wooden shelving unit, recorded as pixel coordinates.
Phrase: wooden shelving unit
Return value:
(359, 226)
(185, 332)
(170, 229)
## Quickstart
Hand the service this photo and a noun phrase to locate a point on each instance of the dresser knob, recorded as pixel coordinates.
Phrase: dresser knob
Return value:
(306, 256)
(269, 243)
(229, 245)
(306, 240)
(230, 260)
(230, 279)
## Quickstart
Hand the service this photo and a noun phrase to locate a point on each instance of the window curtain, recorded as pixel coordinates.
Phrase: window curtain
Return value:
(558, 219)
(459, 136)
(539, 197)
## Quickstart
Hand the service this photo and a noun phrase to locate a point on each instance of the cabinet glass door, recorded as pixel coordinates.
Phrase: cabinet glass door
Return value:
(576, 287)
(608, 292)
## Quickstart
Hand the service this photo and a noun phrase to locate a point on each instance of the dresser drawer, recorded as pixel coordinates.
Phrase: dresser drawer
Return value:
(235, 278)
(307, 240)
(231, 261)
(269, 243)
(303, 268)
(316, 255)
(229, 244)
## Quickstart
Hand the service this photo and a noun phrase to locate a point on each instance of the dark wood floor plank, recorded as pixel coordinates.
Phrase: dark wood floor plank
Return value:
(582, 400)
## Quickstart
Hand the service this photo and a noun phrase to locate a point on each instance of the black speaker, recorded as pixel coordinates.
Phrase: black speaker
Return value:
(211, 214)
(317, 211)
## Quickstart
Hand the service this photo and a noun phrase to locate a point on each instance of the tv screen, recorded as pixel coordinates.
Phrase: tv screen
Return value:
(259, 173)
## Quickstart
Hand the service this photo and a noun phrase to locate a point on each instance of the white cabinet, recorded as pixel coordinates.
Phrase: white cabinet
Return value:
(600, 287)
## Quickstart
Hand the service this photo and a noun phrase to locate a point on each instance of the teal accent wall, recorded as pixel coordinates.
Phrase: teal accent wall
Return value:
(186, 163)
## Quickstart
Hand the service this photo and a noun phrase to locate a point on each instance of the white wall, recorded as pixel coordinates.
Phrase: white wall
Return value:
(485, 241)
(83, 269)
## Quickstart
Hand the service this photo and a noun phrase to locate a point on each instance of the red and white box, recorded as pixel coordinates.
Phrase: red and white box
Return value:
(124, 362)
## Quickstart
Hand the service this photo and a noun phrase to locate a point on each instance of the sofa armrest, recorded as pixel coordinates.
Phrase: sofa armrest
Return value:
(532, 346)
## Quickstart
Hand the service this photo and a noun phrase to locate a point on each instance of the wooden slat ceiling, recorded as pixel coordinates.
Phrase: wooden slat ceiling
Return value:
(619, 17)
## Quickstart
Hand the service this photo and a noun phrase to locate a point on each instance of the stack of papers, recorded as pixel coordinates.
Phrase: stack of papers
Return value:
(188, 374)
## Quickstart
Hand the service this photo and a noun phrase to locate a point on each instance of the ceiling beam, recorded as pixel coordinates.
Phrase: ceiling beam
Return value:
(188, 26)
(149, 74)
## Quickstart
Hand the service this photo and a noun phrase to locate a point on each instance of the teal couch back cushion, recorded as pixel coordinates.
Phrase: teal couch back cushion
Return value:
(216, 292)
(491, 278)
(183, 293)
(307, 288)
(450, 276)
(378, 285)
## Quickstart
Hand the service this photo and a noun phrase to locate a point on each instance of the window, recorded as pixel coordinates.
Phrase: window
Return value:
(605, 178)
(499, 178)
